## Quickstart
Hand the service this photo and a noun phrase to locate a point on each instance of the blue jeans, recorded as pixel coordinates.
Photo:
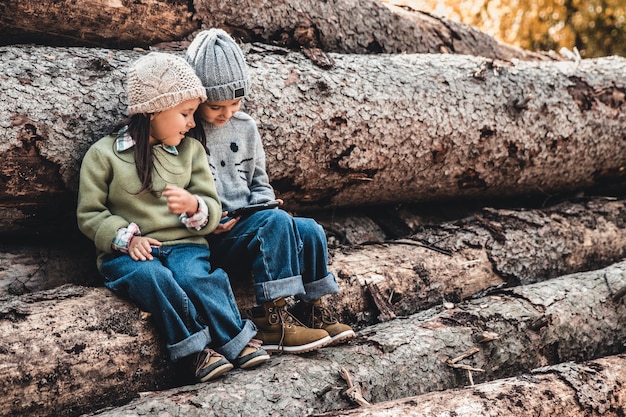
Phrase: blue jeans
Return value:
(287, 256)
(192, 306)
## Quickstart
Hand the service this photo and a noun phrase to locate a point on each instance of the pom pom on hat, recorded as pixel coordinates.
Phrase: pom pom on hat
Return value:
(159, 81)
(220, 65)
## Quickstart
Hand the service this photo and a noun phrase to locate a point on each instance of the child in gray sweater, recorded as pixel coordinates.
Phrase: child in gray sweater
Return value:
(287, 256)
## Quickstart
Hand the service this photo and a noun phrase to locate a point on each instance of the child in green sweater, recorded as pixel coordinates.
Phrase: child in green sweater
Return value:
(147, 199)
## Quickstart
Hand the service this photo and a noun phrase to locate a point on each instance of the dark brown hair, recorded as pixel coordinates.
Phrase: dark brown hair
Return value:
(198, 131)
(139, 130)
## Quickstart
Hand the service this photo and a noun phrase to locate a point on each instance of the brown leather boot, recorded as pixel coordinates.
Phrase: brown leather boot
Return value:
(317, 316)
(281, 332)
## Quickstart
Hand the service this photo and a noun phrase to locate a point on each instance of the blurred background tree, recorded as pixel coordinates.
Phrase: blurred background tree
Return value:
(595, 27)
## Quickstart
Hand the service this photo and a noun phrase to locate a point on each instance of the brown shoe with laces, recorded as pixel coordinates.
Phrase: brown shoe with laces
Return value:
(281, 332)
(317, 316)
(252, 355)
(209, 365)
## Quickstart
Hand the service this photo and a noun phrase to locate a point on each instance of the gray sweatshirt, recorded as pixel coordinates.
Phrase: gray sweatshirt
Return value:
(237, 161)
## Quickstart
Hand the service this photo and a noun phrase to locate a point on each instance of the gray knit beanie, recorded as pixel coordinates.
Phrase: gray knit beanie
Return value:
(159, 81)
(220, 64)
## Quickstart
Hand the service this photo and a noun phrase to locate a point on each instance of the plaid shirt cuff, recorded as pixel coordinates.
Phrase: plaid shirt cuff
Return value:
(123, 237)
(199, 219)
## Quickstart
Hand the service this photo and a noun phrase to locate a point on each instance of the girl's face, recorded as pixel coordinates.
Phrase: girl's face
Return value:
(170, 126)
(219, 112)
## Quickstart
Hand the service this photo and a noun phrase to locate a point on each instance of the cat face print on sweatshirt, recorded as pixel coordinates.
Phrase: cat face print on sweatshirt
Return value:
(227, 163)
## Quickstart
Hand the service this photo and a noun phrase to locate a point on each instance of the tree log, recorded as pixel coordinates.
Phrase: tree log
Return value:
(351, 27)
(81, 348)
(371, 130)
(100, 23)
(347, 26)
(490, 250)
(596, 388)
(28, 268)
(570, 318)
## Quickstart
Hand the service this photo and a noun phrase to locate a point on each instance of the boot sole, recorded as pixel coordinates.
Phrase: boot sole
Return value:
(299, 349)
(252, 362)
(219, 371)
(342, 337)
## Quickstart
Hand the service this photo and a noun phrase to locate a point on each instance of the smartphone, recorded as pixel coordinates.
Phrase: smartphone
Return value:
(253, 208)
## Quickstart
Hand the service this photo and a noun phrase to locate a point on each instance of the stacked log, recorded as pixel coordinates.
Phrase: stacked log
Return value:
(363, 108)
(108, 352)
(381, 129)
(347, 26)
(562, 390)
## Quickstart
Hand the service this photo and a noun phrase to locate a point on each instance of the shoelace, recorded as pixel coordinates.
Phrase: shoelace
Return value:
(284, 318)
(204, 358)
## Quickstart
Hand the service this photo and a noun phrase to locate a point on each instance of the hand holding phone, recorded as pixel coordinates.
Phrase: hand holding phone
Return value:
(253, 208)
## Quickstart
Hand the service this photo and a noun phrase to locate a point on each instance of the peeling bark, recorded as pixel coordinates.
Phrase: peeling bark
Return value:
(341, 131)
(596, 388)
(371, 130)
(95, 23)
(351, 27)
(81, 348)
(456, 260)
(347, 26)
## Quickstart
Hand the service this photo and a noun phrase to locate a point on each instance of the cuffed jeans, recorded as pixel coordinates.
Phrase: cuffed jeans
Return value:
(191, 305)
(288, 256)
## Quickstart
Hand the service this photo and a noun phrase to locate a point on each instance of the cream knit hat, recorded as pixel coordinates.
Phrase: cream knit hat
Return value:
(220, 64)
(159, 81)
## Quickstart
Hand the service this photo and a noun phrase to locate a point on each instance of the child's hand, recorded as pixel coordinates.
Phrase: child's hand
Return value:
(180, 201)
(226, 226)
(140, 248)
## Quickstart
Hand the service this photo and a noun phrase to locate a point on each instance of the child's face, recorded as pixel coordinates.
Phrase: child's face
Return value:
(170, 126)
(219, 112)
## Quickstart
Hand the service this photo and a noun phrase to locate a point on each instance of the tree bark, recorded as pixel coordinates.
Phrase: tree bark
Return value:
(38, 266)
(596, 388)
(371, 130)
(340, 131)
(95, 23)
(490, 250)
(351, 27)
(70, 349)
(570, 318)
(347, 26)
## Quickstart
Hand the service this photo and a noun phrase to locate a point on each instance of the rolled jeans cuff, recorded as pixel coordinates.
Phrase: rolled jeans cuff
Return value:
(193, 344)
(233, 348)
(319, 288)
(272, 290)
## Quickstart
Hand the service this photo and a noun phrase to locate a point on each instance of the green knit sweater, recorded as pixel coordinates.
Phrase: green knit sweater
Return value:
(108, 199)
